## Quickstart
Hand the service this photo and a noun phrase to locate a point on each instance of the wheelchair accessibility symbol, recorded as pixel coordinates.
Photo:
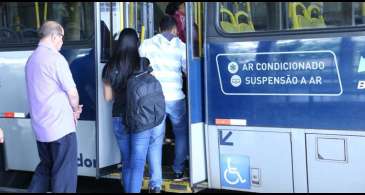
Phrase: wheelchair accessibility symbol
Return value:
(235, 171)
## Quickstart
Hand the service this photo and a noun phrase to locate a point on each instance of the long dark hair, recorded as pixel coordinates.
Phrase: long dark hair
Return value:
(124, 61)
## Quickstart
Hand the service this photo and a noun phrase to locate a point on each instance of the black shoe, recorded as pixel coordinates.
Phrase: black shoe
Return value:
(155, 190)
(179, 177)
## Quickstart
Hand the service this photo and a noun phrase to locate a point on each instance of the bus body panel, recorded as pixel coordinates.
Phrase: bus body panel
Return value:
(334, 104)
(299, 110)
(20, 146)
(21, 149)
(315, 125)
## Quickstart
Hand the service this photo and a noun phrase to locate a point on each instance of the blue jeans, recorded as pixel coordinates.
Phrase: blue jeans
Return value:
(154, 155)
(176, 111)
(148, 141)
(123, 140)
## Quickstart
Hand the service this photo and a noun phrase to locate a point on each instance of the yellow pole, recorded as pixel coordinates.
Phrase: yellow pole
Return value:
(36, 5)
(121, 15)
(131, 14)
(142, 33)
(363, 9)
(45, 12)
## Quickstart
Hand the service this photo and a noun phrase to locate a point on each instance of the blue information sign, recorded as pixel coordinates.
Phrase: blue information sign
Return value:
(307, 73)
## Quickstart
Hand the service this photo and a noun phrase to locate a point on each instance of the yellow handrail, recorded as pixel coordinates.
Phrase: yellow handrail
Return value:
(131, 14)
(229, 13)
(45, 12)
(36, 6)
(294, 15)
(313, 7)
(249, 20)
(142, 33)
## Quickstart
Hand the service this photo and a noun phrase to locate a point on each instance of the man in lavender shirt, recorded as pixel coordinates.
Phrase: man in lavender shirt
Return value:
(54, 110)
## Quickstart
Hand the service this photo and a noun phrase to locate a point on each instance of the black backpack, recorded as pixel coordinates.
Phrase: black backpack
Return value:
(145, 102)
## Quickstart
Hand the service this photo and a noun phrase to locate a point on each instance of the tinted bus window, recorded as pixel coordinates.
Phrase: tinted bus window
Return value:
(240, 17)
(359, 9)
(20, 21)
(304, 15)
(75, 17)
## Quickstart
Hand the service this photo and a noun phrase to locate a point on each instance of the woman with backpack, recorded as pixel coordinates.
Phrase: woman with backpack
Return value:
(135, 134)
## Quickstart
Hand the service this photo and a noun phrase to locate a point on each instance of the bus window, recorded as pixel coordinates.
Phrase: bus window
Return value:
(159, 11)
(359, 13)
(134, 18)
(73, 16)
(105, 31)
(241, 17)
(22, 26)
(117, 19)
(307, 15)
(13, 20)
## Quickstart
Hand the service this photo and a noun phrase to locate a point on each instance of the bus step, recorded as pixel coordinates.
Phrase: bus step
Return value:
(115, 175)
(169, 185)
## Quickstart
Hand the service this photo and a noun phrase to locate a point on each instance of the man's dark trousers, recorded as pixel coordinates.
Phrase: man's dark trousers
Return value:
(57, 170)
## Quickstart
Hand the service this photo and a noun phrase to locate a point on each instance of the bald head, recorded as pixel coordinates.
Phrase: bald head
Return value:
(49, 28)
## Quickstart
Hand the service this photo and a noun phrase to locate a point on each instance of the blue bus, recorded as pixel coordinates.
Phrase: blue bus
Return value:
(274, 89)
(284, 96)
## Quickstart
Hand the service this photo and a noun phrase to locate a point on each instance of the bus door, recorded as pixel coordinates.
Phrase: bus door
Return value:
(194, 44)
(109, 20)
(112, 18)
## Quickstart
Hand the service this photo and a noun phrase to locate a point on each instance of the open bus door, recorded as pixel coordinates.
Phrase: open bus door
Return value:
(194, 45)
(109, 19)
(112, 18)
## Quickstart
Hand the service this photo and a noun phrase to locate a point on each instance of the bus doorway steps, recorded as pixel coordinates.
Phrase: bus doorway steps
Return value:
(168, 185)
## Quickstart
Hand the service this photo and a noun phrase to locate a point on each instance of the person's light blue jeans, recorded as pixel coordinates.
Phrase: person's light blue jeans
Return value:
(148, 141)
(154, 155)
(176, 111)
(123, 140)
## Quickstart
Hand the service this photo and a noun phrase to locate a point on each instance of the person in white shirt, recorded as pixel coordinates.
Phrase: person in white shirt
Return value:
(167, 55)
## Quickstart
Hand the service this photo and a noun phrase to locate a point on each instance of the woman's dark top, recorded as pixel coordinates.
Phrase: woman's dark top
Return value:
(119, 103)
(120, 94)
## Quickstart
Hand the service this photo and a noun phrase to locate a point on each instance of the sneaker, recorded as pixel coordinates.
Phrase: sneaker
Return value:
(155, 190)
(178, 176)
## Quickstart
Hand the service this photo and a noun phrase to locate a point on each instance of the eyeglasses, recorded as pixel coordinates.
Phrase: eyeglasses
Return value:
(62, 35)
